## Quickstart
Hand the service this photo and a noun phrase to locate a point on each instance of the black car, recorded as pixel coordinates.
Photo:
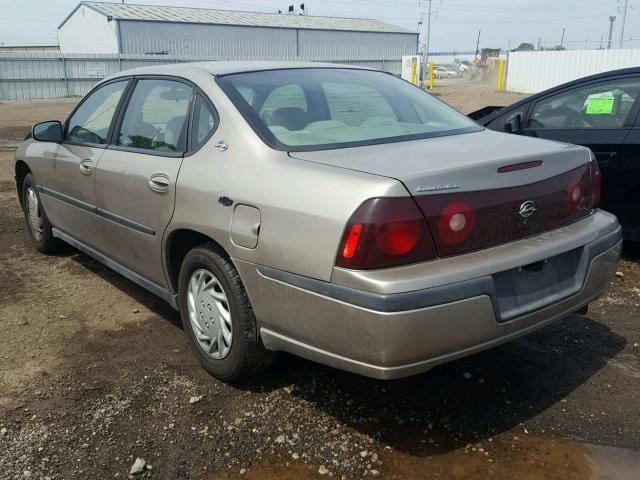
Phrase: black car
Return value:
(600, 112)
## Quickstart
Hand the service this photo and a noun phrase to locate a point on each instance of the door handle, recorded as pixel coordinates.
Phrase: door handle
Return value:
(86, 166)
(159, 182)
(603, 158)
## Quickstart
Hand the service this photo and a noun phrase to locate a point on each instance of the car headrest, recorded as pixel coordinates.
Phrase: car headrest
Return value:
(291, 118)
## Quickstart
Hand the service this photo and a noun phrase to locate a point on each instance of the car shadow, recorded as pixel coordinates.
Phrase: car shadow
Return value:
(631, 251)
(452, 405)
(139, 294)
(461, 402)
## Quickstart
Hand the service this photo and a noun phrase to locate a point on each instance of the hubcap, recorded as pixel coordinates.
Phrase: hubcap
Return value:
(35, 217)
(209, 314)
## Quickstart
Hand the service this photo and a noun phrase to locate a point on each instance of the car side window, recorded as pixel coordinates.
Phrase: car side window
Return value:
(156, 116)
(204, 122)
(90, 122)
(599, 105)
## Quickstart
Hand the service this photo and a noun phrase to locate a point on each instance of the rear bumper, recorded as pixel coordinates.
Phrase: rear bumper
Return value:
(399, 333)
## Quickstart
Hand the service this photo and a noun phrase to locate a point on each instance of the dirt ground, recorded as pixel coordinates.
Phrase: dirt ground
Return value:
(95, 373)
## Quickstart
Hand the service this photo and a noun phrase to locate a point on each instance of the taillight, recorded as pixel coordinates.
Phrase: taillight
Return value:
(583, 194)
(574, 194)
(595, 183)
(385, 232)
(456, 223)
(466, 221)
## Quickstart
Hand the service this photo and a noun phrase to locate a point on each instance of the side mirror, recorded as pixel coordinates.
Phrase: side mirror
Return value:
(513, 124)
(47, 131)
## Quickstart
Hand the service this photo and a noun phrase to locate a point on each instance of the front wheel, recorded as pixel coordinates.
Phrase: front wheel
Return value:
(217, 316)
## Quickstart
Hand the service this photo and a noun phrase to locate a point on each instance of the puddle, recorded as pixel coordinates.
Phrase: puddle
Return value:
(610, 463)
(506, 456)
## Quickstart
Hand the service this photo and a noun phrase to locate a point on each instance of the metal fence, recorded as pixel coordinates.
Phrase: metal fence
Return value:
(25, 76)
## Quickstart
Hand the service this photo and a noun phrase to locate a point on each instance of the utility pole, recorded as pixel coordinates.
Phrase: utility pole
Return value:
(478, 44)
(562, 38)
(429, 30)
(611, 20)
(624, 19)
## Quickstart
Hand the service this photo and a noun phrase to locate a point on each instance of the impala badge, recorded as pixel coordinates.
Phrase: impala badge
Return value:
(527, 209)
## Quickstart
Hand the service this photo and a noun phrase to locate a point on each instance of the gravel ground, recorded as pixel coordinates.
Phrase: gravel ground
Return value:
(96, 377)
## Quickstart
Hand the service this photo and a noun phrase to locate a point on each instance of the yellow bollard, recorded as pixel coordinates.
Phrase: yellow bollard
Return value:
(431, 66)
(413, 71)
(501, 75)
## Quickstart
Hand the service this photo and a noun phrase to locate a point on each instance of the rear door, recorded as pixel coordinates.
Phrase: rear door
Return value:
(598, 115)
(629, 209)
(136, 177)
(69, 194)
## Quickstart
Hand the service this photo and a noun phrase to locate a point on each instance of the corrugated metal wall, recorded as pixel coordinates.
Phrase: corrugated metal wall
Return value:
(221, 41)
(355, 45)
(225, 41)
(26, 75)
(532, 72)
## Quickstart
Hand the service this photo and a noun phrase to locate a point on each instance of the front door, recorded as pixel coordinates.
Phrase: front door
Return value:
(598, 115)
(68, 193)
(136, 176)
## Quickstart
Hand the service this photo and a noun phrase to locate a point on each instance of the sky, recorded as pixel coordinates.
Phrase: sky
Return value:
(454, 23)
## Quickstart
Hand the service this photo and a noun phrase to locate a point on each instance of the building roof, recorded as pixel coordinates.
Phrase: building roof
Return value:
(158, 13)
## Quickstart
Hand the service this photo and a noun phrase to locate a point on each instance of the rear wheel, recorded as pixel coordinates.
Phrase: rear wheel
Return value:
(217, 316)
(37, 221)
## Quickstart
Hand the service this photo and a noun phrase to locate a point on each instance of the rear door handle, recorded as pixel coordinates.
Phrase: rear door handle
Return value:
(86, 166)
(159, 182)
(603, 158)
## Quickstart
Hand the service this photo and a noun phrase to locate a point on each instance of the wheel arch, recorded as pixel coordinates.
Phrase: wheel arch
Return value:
(179, 242)
(21, 171)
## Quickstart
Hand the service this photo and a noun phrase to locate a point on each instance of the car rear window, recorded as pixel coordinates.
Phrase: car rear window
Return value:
(322, 108)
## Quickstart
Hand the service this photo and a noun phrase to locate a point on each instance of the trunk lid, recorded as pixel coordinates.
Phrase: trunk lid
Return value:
(468, 189)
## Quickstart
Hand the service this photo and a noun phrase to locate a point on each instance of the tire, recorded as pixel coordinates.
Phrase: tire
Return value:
(41, 235)
(244, 355)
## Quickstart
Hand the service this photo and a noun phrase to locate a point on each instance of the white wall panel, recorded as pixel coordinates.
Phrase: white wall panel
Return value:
(88, 31)
(532, 72)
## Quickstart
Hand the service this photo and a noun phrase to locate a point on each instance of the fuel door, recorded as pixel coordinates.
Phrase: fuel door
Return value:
(245, 226)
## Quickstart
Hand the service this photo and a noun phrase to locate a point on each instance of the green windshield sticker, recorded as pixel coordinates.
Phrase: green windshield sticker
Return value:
(599, 105)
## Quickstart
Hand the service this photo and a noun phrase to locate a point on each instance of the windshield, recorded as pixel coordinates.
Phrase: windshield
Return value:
(320, 108)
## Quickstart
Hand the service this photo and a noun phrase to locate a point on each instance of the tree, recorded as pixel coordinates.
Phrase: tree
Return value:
(524, 47)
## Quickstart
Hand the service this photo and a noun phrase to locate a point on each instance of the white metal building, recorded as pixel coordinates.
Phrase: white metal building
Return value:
(95, 27)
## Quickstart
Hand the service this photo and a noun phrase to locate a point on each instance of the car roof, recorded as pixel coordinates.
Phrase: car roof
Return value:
(590, 78)
(224, 67)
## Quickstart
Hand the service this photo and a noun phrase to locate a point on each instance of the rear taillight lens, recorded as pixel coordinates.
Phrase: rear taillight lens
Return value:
(574, 193)
(583, 194)
(456, 223)
(385, 232)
